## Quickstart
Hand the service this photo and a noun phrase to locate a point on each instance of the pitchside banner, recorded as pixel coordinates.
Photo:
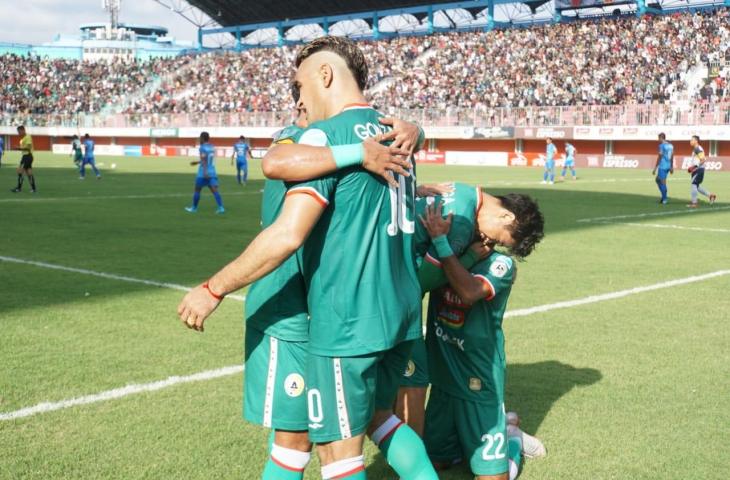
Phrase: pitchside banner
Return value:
(636, 162)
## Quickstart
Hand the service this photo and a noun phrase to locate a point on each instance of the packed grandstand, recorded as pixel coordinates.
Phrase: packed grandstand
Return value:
(650, 59)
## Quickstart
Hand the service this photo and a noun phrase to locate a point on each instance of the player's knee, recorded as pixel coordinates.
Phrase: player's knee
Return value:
(293, 440)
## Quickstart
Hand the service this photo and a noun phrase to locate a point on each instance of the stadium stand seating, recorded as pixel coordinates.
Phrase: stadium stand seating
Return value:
(622, 60)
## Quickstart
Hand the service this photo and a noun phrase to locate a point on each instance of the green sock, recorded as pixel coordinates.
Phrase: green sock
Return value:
(406, 453)
(274, 471)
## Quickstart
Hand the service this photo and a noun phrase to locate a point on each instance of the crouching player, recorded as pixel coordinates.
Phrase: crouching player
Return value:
(466, 417)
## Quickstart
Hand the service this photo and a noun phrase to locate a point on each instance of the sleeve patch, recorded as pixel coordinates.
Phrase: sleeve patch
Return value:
(500, 267)
(314, 137)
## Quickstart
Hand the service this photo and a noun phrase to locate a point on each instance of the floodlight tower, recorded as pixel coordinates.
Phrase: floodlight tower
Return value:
(113, 7)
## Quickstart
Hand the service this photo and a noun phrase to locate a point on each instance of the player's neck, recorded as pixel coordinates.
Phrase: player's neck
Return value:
(345, 97)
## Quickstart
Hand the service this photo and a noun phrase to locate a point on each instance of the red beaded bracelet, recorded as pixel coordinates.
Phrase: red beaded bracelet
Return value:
(217, 297)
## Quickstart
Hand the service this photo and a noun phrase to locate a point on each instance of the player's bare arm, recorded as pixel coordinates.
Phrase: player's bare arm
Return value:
(434, 189)
(293, 162)
(468, 287)
(267, 251)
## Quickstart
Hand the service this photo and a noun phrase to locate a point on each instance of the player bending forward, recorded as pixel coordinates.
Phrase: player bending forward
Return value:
(465, 416)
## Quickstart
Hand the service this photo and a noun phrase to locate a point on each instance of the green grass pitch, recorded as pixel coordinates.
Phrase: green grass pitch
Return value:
(629, 388)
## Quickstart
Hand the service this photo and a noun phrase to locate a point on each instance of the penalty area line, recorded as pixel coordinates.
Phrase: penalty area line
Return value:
(109, 276)
(231, 370)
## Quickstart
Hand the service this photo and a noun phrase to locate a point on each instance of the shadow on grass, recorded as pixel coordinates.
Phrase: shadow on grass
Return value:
(532, 390)
(150, 236)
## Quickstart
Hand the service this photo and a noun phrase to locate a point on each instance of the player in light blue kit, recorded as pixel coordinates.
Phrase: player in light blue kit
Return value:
(550, 153)
(2, 149)
(207, 176)
(569, 161)
(664, 166)
(242, 154)
(88, 159)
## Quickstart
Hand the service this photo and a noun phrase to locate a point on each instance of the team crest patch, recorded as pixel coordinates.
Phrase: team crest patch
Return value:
(294, 385)
(475, 384)
(499, 268)
(410, 369)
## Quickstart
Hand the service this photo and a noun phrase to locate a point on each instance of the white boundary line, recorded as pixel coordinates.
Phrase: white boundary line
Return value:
(654, 214)
(667, 226)
(130, 389)
(234, 369)
(113, 197)
(571, 182)
(109, 276)
(613, 295)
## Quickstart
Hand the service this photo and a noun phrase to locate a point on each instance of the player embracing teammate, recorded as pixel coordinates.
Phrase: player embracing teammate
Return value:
(338, 249)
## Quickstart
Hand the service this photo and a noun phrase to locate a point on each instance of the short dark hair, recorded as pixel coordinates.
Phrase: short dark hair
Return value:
(295, 92)
(696, 137)
(21, 127)
(75, 137)
(662, 136)
(346, 49)
(86, 136)
(205, 136)
(242, 137)
(527, 229)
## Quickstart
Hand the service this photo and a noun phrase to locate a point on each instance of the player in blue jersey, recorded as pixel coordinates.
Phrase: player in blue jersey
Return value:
(697, 170)
(664, 166)
(570, 152)
(207, 176)
(550, 153)
(241, 154)
(88, 159)
(2, 149)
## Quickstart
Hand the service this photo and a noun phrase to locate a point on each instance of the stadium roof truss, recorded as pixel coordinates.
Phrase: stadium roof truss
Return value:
(245, 24)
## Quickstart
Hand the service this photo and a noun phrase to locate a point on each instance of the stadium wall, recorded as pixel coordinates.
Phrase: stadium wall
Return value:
(514, 152)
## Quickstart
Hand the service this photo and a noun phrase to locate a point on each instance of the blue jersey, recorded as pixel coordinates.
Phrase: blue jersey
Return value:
(570, 152)
(550, 152)
(89, 146)
(209, 151)
(666, 151)
(241, 150)
(2, 144)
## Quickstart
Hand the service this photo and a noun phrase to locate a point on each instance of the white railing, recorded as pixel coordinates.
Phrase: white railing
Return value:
(594, 115)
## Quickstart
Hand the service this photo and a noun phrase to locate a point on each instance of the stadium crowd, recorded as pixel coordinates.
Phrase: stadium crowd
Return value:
(619, 60)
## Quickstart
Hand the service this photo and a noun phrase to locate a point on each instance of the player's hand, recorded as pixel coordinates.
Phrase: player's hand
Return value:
(385, 160)
(653, 172)
(671, 171)
(196, 306)
(404, 134)
(481, 249)
(435, 223)
(434, 189)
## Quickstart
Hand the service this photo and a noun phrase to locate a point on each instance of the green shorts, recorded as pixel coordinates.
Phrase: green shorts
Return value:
(457, 429)
(274, 388)
(416, 373)
(343, 392)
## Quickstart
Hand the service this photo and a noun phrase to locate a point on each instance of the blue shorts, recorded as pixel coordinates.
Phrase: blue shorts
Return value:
(241, 163)
(201, 182)
(662, 174)
(550, 164)
(89, 161)
(569, 162)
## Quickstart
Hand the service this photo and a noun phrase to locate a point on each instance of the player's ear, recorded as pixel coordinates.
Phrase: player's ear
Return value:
(507, 217)
(326, 73)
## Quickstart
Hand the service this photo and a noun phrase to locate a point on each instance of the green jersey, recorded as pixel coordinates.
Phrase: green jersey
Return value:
(464, 202)
(466, 344)
(358, 262)
(277, 303)
(76, 147)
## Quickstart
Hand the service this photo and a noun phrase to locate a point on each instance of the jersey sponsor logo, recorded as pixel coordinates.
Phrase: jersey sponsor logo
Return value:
(475, 384)
(445, 337)
(369, 129)
(410, 369)
(294, 385)
(499, 268)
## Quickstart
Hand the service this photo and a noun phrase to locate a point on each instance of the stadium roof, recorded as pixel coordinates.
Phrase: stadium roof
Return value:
(237, 12)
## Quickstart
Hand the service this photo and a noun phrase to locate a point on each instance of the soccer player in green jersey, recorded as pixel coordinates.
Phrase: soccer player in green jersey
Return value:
(359, 324)
(465, 416)
(513, 221)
